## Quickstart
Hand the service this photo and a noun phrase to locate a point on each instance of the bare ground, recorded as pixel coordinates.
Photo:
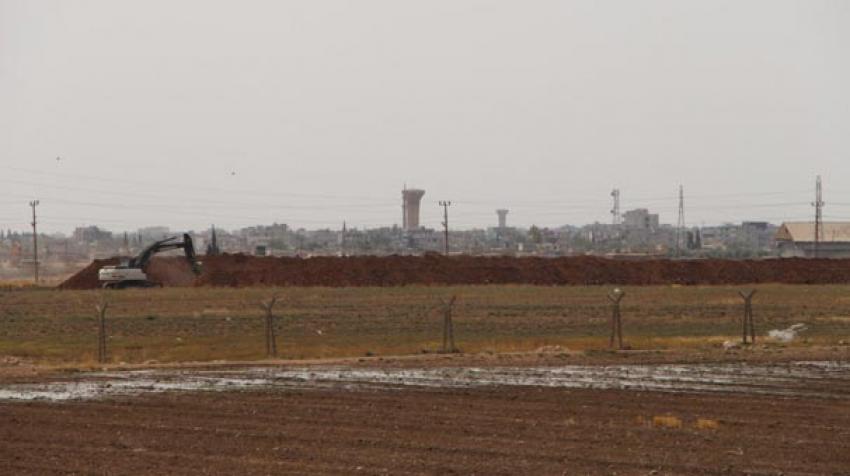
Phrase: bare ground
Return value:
(501, 430)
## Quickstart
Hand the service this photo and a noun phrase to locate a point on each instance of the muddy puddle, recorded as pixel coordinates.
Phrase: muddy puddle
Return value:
(799, 379)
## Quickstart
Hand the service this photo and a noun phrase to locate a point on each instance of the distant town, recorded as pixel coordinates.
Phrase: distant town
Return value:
(632, 234)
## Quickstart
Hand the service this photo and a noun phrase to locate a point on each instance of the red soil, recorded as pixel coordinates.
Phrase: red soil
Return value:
(242, 270)
(493, 430)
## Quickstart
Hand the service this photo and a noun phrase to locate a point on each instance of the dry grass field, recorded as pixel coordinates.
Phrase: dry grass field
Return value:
(205, 324)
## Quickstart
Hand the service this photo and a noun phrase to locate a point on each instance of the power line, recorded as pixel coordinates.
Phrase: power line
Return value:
(183, 186)
(378, 212)
(124, 194)
(243, 192)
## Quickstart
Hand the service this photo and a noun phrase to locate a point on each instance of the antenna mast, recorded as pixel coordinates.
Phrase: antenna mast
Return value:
(616, 218)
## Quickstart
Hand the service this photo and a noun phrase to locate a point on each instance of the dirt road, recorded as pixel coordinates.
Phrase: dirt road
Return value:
(493, 430)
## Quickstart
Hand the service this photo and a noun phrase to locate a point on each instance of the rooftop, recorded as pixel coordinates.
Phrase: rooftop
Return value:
(804, 231)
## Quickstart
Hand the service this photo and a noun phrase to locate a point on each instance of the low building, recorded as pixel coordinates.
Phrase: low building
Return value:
(91, 234)
(797, 239)
(640, 219)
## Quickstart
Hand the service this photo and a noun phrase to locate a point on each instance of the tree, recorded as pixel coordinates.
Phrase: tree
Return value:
(535, 235)
(212, 247)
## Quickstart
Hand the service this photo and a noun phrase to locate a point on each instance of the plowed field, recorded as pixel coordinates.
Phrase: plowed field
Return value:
(494, 430)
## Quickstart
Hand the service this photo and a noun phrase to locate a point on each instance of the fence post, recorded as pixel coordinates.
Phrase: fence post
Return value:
(747, 325)
(616, 318)
(101, 329)
(271, 340)
(448, 325)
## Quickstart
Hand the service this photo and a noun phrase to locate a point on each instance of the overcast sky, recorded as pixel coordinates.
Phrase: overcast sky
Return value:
(189, 113)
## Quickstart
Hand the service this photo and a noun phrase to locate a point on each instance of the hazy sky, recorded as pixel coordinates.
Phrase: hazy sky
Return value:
(187, 113)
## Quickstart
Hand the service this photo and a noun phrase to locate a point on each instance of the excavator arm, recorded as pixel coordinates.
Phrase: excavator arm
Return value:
(132, 274)
(141, 260)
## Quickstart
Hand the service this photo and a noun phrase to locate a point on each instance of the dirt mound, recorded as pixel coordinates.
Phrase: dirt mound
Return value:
(86, 278)
(243, 270)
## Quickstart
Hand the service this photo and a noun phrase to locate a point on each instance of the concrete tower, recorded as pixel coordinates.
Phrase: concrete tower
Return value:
(503, 217)
(410, 198)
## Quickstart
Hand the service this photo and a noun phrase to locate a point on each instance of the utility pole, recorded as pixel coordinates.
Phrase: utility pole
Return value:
(404, 208)
(33, 204)
(680, 226)
(615, 211)
(342, 240)
(446, 205)
(818, 204)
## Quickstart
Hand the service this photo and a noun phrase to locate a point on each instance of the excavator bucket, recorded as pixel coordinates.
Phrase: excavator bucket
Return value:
(189, 249)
